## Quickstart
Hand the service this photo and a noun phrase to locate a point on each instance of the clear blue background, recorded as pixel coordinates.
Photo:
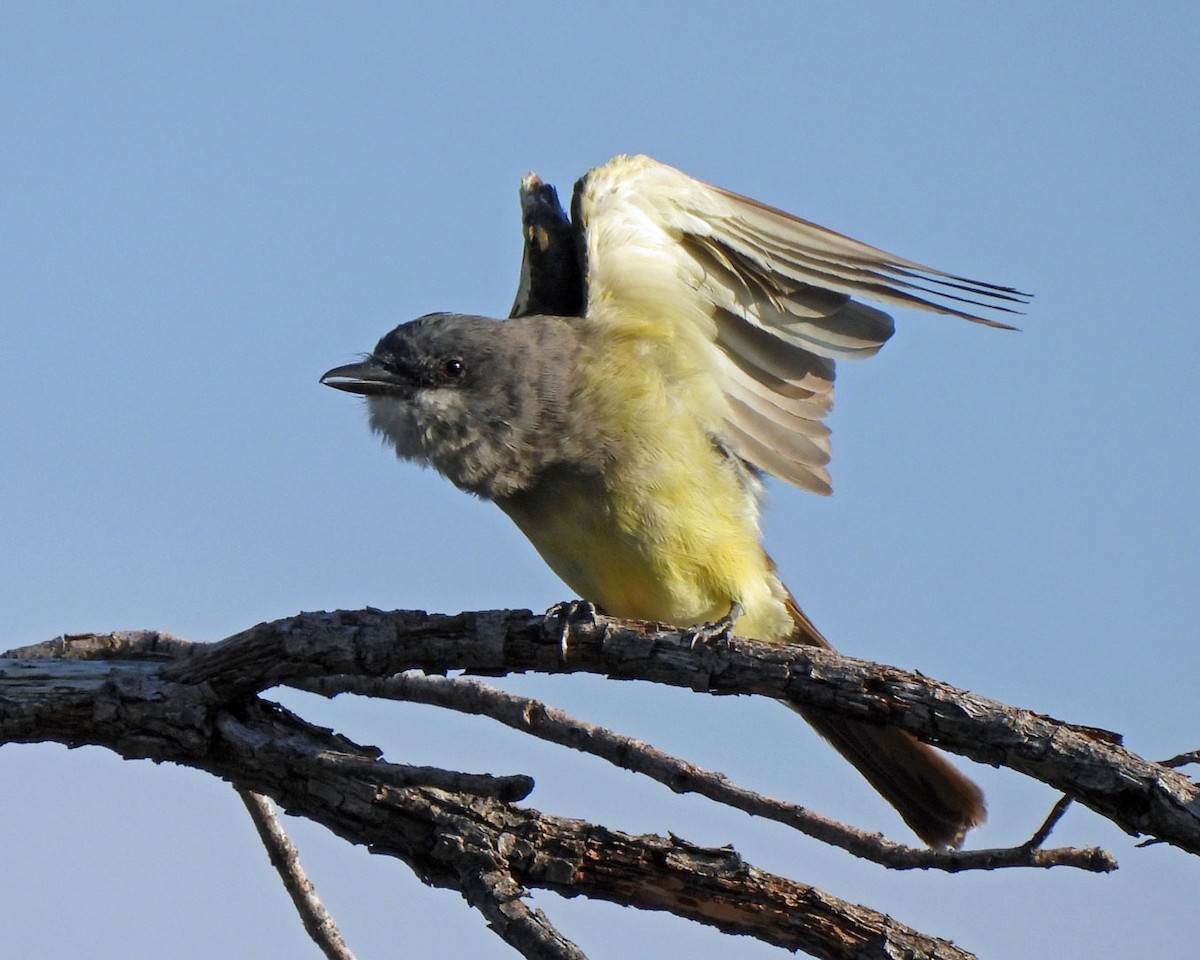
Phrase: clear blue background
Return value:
(203, 207)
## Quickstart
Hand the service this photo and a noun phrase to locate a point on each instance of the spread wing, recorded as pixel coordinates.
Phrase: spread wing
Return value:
(765, 295)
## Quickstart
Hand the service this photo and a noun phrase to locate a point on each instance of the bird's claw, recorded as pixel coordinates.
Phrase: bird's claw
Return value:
(716, 630)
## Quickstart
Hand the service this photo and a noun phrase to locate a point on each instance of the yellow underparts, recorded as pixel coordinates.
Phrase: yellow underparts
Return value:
(666, 531)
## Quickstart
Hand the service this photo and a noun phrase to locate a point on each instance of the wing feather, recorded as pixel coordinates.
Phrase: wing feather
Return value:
(768, 298)
(550, 279)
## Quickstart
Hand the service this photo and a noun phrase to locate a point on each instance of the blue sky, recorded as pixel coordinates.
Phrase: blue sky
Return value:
(206, 206)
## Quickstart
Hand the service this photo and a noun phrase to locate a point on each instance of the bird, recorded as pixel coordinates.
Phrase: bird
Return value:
(670, 344)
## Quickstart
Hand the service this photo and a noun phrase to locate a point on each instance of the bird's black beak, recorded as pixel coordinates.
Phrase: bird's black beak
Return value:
(368, 377)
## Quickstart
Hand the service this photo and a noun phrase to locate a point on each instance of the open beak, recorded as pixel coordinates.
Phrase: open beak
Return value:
(368, 377)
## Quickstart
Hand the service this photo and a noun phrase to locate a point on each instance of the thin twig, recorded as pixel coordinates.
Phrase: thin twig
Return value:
(1182, 759)
(500, 899)
(548, 723)
(286, 861)
(1042, 832)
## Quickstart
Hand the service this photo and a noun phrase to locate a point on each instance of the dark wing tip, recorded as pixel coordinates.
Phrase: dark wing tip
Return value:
(551, 277)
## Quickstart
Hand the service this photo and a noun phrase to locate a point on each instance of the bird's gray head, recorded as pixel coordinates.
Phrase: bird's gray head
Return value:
(485, 402)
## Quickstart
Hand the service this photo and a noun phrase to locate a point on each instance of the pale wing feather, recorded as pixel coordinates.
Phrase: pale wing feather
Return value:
(767, 295)
(805, 252)
(779, 396)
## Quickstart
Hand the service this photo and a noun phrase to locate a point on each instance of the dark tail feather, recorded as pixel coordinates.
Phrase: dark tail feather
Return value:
(938, 802)
(933, 797)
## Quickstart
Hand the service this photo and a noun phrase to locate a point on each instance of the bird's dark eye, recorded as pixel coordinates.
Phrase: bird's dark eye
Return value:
(451, 368)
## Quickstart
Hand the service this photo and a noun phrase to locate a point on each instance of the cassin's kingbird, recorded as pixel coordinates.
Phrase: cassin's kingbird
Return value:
(668, 344)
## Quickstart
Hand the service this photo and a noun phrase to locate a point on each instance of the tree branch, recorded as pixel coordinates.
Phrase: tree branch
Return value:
(547, 723)
(147, 694)
(1138, 795)
(286, 861)
(449, 839)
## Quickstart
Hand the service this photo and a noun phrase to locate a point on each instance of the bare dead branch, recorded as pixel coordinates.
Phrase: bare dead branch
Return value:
(1182, 759)
(449, 839)
(152, 645)
(512, 787)
(548, 723)
(146, 694)
(1056, 813)
(500, 899)
(282, 853)
(715, 887)
(1138, 795)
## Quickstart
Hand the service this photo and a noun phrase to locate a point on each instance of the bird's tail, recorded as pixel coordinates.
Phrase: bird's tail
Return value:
(938, 802)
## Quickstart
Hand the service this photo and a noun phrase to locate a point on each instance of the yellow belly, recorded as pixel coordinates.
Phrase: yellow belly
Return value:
(678, 552)
(661, 524)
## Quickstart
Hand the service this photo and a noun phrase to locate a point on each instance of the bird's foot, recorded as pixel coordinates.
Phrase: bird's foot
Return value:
(571, 609)
(716, 630)
(567, 614)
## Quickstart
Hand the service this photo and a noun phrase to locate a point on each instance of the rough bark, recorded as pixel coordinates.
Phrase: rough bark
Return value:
(150, 695)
